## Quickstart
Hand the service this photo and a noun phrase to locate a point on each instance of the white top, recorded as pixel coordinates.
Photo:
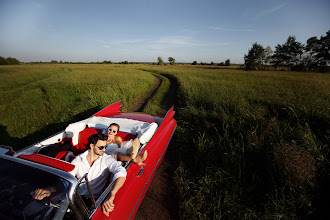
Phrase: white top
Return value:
(114, 149)
(98, 173)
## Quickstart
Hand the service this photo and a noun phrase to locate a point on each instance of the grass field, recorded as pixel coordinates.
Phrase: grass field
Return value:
(250, 145)
(38, 100)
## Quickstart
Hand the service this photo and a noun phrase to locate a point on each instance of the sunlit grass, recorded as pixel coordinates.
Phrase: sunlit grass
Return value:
(34, 96)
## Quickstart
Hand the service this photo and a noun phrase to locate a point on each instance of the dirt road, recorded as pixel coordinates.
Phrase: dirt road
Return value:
(160, 201)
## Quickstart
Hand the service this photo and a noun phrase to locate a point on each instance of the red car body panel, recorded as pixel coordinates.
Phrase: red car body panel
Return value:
(133, 191)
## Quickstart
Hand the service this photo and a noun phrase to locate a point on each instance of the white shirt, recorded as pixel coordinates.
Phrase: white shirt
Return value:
(98, 173)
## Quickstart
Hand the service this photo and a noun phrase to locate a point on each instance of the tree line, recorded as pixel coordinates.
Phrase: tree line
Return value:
(226, 63)
(292, 55)
(8, 61)
(161, 62)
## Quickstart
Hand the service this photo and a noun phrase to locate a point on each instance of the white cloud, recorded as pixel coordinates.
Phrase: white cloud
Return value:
(175, 41)
(160, 44)
(229, 29)
(269, 11)
(181, 41)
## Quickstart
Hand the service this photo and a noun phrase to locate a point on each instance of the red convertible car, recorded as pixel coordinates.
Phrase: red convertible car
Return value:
(48, 162)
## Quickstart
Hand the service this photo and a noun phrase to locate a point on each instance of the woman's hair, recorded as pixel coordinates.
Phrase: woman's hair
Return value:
(114, 124)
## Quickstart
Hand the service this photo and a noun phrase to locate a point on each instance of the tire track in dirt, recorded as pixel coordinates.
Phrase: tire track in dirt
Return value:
(160, 201)
(138, 107)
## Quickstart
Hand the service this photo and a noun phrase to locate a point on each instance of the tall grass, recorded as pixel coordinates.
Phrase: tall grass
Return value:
(252, 145)
(41, 99)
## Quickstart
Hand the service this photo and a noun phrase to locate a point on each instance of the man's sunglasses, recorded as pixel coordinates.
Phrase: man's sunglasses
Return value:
(112, 130)
(102, 147)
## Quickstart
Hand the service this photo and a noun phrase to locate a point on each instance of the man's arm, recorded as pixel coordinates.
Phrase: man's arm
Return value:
(108, 204)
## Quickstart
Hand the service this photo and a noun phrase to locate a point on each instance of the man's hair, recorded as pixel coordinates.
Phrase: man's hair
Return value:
(96, 137)
(114, 124)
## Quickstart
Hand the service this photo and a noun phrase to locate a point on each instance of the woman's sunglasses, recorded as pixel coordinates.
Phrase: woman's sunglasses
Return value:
(102, 147)
(112, 130)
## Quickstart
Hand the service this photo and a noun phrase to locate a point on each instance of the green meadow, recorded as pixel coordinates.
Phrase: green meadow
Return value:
(249, 144)
(38, 100)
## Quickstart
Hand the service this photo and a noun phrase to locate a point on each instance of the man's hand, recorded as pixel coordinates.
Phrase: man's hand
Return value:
(39, 194)
(108, 205)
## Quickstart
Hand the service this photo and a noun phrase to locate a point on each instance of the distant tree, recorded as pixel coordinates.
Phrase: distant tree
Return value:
(171, 60)
(254, 59)
(221, 64)
(160, 61)
(12, 61)
(53, 61)
(268, 53)
(124, 62)
(227, 62)
(323, 53)
(3, 61)
(289, 54)
(212, 63)
(194, 63)
(311, 50)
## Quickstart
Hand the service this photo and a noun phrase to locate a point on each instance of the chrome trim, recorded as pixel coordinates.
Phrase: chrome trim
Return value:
(90, 190)
(60, 173)
(102, 197)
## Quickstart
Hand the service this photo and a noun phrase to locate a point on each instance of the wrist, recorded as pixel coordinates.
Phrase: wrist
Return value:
(113, 193)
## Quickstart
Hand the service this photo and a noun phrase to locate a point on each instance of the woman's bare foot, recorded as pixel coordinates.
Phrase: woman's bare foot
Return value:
(140, 158)
(144, 155)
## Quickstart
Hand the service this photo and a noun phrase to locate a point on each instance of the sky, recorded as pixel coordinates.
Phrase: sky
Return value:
(143, 30)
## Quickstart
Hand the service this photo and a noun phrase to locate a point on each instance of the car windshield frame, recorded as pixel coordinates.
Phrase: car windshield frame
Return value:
(26, 176)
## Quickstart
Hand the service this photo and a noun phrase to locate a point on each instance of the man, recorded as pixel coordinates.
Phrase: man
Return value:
(99, 166)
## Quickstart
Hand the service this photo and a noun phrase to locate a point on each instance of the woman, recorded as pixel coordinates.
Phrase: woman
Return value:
(114, 143)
